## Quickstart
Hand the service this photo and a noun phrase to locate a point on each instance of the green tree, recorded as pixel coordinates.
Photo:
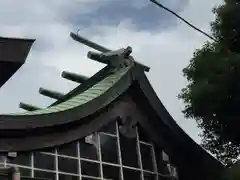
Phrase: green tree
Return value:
(232, 172)
(212, 96)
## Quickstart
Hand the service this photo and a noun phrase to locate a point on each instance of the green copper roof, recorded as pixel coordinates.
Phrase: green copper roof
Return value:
(84, 97)
(118, 61)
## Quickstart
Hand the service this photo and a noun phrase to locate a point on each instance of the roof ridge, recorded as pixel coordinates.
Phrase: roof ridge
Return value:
(82, 98)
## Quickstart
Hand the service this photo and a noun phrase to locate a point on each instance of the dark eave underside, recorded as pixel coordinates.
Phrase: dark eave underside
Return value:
(7, 69)
(94, 104)
(184, 145)
(13, 53)
(50, 130)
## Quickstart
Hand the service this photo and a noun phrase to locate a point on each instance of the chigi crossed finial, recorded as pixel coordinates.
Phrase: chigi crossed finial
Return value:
(115, 58)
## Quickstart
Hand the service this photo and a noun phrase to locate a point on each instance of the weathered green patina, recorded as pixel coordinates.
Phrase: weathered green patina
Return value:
(84, 97)
(99, 100)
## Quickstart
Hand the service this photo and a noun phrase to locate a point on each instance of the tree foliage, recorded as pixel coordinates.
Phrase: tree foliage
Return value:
(212, 96)
(232, 172)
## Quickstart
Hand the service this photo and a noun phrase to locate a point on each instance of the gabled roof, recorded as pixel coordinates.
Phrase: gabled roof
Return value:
(79, 112)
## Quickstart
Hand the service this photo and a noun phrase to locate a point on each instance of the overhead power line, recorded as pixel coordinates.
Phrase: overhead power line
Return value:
(181, 18)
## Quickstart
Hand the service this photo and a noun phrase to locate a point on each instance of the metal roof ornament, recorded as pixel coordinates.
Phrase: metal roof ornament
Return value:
(117, 59)
(128, 126)
(106, 52)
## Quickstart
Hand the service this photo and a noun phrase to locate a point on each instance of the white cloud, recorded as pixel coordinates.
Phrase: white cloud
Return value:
(43, 11)
(166, 52)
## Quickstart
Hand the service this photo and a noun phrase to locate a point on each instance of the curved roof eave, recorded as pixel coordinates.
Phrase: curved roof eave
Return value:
(75, 108)
(184, 143)
(118, 83)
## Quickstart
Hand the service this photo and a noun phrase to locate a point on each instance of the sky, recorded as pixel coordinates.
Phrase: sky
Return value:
(158, 39)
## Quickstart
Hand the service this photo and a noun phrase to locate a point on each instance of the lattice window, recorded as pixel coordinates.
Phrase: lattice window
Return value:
(2, 161)
(106, 155)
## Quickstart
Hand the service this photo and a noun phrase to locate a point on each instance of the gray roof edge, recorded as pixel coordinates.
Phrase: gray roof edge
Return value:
(18, 39)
